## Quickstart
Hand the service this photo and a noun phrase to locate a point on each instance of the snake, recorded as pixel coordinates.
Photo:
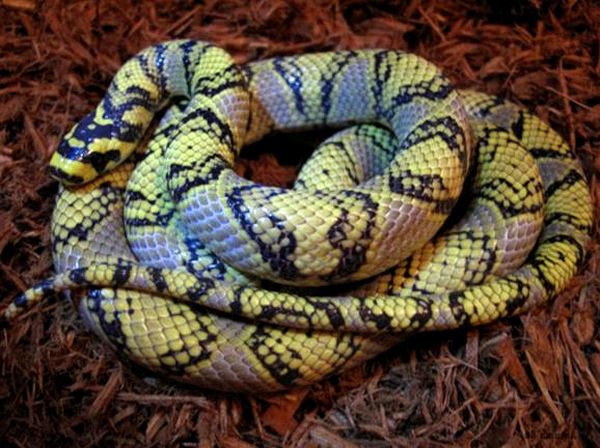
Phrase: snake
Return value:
(428, 208)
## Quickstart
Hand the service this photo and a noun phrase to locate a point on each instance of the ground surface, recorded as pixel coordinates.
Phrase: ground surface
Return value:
(526, 381)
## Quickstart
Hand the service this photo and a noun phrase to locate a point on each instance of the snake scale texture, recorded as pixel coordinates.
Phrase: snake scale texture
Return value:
(435, 209)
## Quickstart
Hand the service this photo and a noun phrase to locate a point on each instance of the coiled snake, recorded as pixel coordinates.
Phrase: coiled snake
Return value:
(175, 257)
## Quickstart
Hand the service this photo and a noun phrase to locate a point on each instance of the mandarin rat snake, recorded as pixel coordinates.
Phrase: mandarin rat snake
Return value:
(174, 257)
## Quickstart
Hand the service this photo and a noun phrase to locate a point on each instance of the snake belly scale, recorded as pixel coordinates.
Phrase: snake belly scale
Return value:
(173, 256)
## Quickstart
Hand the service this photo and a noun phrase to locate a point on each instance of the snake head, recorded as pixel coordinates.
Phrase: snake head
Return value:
(92, 147)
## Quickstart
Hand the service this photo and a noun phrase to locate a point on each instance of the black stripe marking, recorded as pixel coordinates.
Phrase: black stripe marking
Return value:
(202, 286)
(381, 321)
(422, 317)
(206, 85)
(573, 177)
(121, 275)
(455, 301)
(195, 179)
(426, 184)
(422, 89)
(550, 153)
(292, 75)
(446, 128)
(519, 300)
(519, 125)
(563, 238)
(77, 276)
(353, 257)
(566, 218)
(347, 154)
(214, 126)
(158, 279)
(339, 62)
(278, 261)
(508, 209)
(382, 73)
(112, 330)
(279, 370)
(187, 47)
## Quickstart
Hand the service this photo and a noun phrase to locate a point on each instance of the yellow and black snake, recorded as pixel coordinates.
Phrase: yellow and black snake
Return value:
(175, 257)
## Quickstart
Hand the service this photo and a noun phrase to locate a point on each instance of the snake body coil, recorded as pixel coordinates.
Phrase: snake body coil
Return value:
(172, 247)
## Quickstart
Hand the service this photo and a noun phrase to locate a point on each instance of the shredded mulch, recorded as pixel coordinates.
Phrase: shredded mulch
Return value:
(526, 381)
